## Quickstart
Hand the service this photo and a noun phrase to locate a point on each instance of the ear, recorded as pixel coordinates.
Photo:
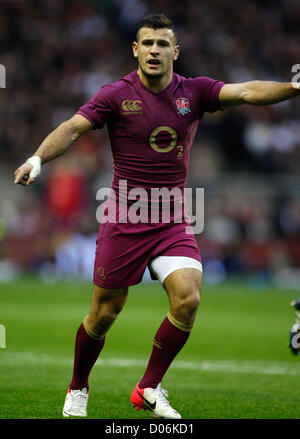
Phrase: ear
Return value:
(176, 53)
(135, 49)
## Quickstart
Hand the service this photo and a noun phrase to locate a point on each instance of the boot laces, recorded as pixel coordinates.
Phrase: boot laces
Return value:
(162, 395)
(79, 400)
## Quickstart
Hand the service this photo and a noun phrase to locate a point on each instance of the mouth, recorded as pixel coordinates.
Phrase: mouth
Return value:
(154, 62)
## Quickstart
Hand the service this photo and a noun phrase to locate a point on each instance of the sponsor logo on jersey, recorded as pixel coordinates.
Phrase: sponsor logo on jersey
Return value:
(131, 106)
(183, 106)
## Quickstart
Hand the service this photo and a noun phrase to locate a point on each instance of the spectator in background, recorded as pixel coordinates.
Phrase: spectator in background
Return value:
(65, 191)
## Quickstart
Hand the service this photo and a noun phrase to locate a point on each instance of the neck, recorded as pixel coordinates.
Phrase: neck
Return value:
(155, 83)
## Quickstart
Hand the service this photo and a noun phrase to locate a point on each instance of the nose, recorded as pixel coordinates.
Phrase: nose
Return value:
(154, 49)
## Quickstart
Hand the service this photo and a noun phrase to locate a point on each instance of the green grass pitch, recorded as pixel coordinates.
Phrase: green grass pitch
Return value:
(236, 363)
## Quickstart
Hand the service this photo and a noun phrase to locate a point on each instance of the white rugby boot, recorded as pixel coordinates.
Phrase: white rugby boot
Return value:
(154, 400)
(76, 403)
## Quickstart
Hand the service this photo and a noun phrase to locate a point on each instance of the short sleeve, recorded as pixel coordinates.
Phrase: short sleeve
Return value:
(207, 91)
(99, 109)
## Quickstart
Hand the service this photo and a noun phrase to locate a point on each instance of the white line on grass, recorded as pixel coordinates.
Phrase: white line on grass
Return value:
(230, 366)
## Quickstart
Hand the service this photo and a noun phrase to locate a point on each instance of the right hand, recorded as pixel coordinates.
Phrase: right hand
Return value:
(22, 175)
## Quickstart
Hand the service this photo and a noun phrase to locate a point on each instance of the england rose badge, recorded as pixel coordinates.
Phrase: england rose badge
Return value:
(183, 106)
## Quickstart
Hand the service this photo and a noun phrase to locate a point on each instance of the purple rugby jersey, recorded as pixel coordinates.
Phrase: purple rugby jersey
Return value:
(150, 133)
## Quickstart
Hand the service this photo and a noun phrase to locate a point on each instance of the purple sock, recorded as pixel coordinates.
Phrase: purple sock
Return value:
(87, 351)
(168, 341)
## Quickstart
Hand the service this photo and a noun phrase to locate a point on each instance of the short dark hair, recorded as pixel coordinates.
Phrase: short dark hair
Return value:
(156, 21)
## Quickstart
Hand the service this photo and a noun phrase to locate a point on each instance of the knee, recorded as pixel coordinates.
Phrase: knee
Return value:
(107, 307)
(192, 300)
(106, 312)
(101, 319)
(189, 300)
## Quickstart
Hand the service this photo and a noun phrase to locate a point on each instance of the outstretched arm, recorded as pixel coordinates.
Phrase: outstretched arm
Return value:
(257, 93)
(54, 145)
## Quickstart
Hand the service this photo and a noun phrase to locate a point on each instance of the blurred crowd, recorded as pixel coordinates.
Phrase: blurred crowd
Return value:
(58, 53)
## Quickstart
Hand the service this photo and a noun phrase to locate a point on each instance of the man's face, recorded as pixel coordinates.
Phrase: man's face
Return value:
(155, 50)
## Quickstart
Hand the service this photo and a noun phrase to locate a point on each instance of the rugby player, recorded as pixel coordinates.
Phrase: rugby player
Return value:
(152, 115)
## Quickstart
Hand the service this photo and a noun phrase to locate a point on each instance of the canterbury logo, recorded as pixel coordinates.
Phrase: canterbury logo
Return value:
(157, 344)
(100, 272)
(131, 105)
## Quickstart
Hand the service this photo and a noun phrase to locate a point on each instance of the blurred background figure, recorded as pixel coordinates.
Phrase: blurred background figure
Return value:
(58, 53)
(295, 331)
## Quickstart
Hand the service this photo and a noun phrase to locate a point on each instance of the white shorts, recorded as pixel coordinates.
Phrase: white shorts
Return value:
(162, 266)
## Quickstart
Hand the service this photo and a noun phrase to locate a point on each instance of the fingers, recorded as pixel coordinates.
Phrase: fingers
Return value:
(22, 175)
(24, 180)
(30, 181)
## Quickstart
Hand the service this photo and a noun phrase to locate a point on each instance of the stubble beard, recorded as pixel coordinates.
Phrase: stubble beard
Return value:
(151, 74)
